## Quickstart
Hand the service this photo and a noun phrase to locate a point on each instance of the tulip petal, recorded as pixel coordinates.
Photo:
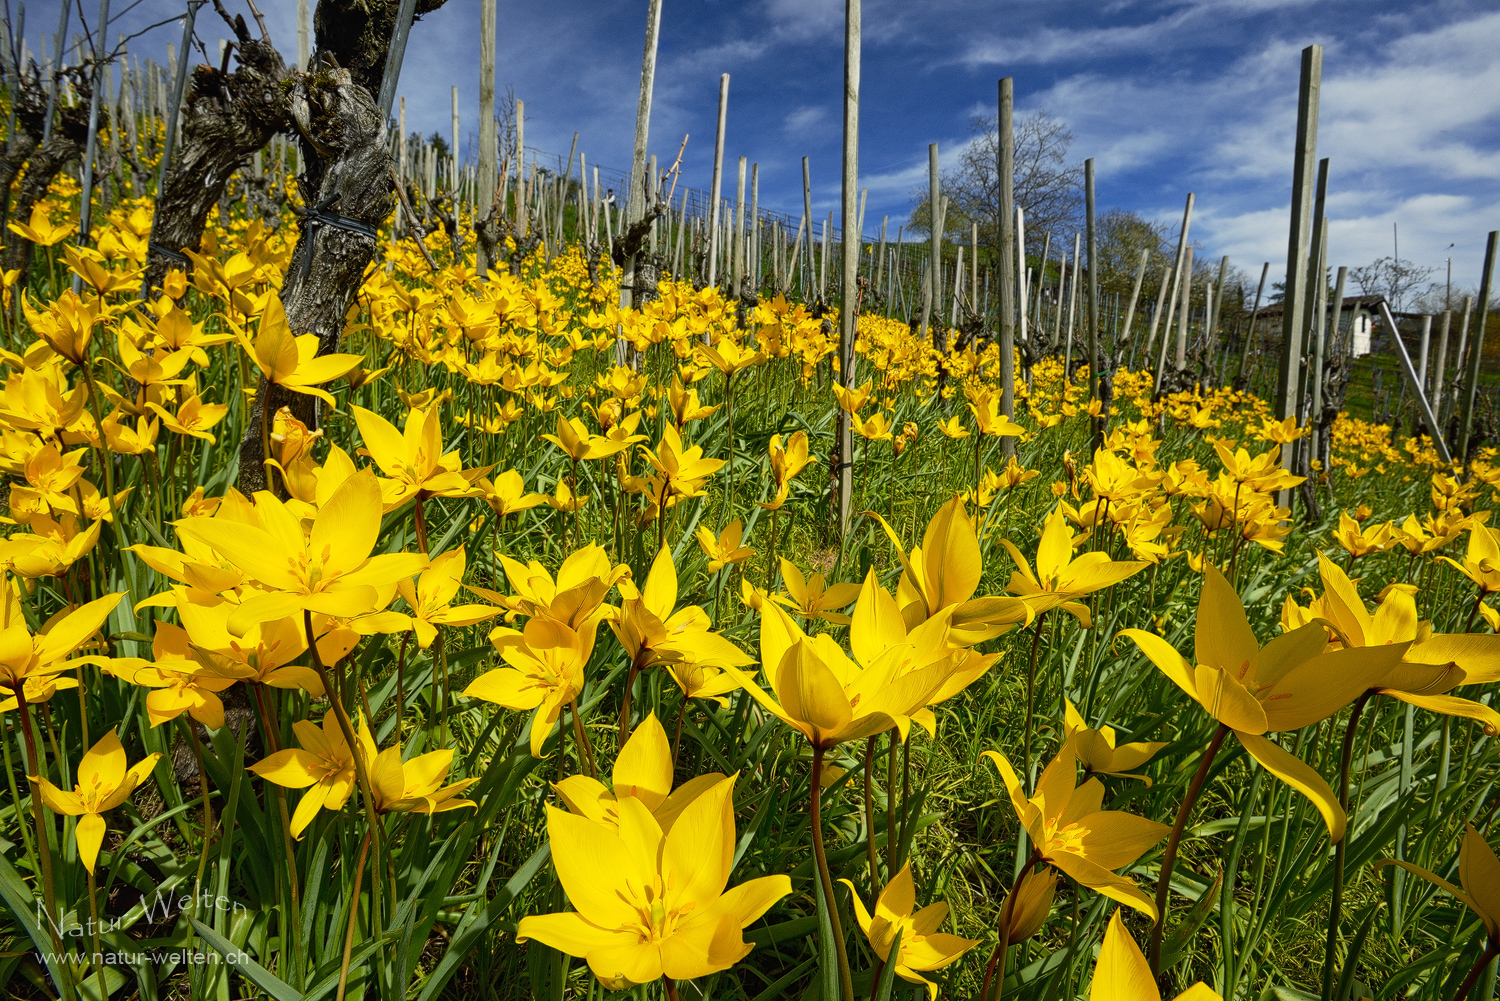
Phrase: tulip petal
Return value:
(644, 766)
(571, 933)
(90, 835)
(1121, 972)
(1223, 637)
(1102, 881)
(1320, 687)
(1300, 776)
(592, 864)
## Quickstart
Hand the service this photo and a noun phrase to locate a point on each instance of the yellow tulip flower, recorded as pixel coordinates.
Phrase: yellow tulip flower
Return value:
(1070, 832)
(786, 462)
(1121, 972)
(432, 595)
(724, 549)
(24, 656)
(654, 631)
(103, 783)
(811, 598)
(413, 462)
(507, 494)
(67, 325)
(193, 417)
(293, 363)
(1434, 663)
(545, 672)
(643, 771)
(922, 948)
(1285, 685)
(330, 569)
(1481, 563)
(583, 580)
(817, 690)
(581, 445)
(685, 405)
(41, 231)
(1358, 542)
(324, 765)
(261, 655)
(415, 785)
(954, 428)
(180, 683)
(1060, 578)
(876, 428)
(652, 903)
(850, 400)
(944, 572)
(1098, 753)
(991, 422)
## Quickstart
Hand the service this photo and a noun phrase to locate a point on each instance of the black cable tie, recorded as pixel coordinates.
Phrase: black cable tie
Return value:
(177, 256)
(320, 216)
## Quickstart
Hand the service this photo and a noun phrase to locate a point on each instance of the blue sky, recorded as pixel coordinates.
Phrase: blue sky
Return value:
(1169, 96)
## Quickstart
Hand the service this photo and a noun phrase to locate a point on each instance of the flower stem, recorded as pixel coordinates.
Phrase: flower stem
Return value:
(38, 813)
(359, 765)
(870, 817)
(1336, 905)
(359, 873)
(97, 958)
(1164, 880)
(1036, 639)
(997, 958)
(846, 978)
(1491, 950)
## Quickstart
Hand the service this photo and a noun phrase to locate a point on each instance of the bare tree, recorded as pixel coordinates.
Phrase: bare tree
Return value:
(1048, 188)
(1391, 277)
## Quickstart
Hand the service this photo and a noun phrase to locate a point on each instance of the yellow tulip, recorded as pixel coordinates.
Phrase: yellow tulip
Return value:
(180, 683)
(579, 444)
(1060, 578)
(1098, 753)
(507, 494)
(1121, 972)
(643, 771)
(1358, 542)
(1433, 664)
(944, 572)
(1285, 685)
(583, 580)
(413, 462)
(41, 231)
(103, 783)
(1070, 832)
(291, 362)
(24, 656)
(545, 672)
(724, 549)
(811, 598)
(817, 690)
(432, 596)
(330, 569)
(922, 948)
(324, 765)
(415, 785)
(652, 903)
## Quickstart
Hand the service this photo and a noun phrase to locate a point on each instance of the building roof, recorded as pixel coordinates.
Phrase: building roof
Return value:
(1369, 303)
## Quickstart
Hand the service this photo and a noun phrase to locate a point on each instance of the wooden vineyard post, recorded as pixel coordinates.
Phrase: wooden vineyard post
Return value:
(935, 244)
(488, 144)
(1009, 283)
(1170, 298)
(717, 185)
(1135, 295)
(850, 244)
(1091, 311)
(1294, 307)
(635, 197)
(1476, 350)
